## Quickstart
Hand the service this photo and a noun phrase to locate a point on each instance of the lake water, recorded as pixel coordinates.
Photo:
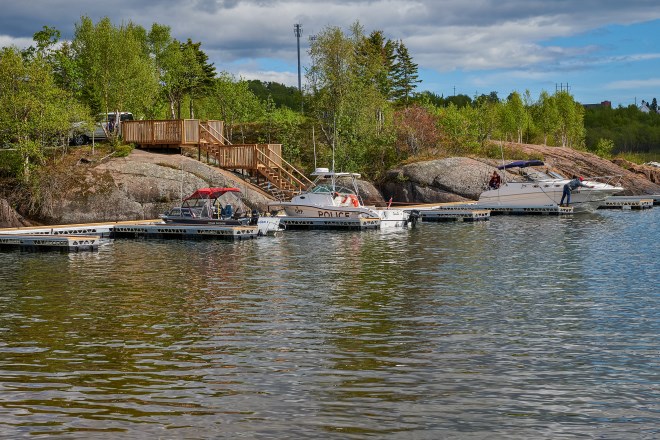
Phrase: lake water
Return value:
(520, 327)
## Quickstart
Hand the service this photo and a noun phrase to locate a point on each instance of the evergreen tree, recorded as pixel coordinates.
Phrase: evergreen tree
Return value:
(404, 74)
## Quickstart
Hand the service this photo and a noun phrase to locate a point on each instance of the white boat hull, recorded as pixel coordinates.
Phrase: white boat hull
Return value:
(546, 194)
(312, 211)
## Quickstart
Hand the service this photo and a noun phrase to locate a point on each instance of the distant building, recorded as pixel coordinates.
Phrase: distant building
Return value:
(607, 104)
(646, 107)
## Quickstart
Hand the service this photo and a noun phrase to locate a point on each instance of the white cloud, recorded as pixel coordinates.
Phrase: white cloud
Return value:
(633, 84)
(21, 43)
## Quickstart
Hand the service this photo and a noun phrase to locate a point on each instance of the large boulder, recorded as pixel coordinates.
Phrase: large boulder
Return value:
(9, 218)
(454, 179)
(142, 186)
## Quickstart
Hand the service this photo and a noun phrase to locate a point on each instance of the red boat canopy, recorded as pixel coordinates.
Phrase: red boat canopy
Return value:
(211, 193)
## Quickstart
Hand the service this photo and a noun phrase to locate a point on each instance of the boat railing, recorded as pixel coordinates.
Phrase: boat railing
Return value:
(614, 179)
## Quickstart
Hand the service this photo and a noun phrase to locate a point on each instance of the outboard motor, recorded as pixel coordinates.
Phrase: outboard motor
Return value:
(415, 215)
(254, 218)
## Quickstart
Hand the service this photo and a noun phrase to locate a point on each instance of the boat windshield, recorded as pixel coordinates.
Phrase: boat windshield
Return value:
(326, 188)
(530, 174)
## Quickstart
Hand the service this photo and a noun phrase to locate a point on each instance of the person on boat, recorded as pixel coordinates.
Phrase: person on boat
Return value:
(495, 181)
(574, 183)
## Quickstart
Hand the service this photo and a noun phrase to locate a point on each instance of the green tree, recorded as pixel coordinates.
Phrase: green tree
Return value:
(405, 77)
(198, 74)
(35, 111)
(233, 101)
(570, 130)
(352, 113)
(116, 70)
(546, 115)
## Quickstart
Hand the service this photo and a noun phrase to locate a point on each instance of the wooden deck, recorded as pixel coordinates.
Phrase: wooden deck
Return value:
(207, 136)
(172, 133)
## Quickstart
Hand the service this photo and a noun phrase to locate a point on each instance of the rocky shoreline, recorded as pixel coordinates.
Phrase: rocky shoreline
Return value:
(145, 184)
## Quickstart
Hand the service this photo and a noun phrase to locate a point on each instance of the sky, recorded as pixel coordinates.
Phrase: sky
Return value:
(598, 49)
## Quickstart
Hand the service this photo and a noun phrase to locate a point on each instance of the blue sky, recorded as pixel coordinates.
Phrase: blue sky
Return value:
(603, 49)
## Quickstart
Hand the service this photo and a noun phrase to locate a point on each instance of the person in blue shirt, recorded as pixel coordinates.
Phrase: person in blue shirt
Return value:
(575, 182)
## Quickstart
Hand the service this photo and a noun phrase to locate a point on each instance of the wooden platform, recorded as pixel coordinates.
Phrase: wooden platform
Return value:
(330, 223)
(61, 243)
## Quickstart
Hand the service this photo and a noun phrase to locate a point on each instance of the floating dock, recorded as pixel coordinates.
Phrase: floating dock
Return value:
(330, 223)
(461, 211)
(84, 237)
(103, 230)
(630, 202)
(187, 231)
(452, 215)
(63, 243)
(531, 210)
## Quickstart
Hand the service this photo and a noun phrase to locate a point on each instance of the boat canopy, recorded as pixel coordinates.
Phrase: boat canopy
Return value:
(521, 164)
(211, 193)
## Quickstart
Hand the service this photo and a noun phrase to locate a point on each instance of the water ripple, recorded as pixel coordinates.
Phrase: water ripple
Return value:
(515, 328)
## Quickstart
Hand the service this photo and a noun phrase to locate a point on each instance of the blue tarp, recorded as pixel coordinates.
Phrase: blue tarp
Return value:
(521, 164)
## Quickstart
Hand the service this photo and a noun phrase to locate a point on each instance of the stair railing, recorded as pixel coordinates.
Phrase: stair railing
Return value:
(285, 172)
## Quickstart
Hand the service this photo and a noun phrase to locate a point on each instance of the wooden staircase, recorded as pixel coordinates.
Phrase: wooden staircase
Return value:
(260, 160)
(282, 180)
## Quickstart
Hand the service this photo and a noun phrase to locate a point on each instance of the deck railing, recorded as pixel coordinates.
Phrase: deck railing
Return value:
(207, 136)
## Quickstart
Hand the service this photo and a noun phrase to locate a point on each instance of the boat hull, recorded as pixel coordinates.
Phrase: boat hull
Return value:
(312, 211)
(544, 195)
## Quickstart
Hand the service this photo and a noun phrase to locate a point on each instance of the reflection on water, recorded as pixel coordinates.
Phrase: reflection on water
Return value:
(519, 327)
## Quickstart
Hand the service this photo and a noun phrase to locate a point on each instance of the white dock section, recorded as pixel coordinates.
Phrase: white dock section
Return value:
(103, 230)
(340, 223)
(531, 210)
(462, 210)
(185, 231)
(629, 202)
(448, 215)
(63, 243)
(447, 212)
(138, 228)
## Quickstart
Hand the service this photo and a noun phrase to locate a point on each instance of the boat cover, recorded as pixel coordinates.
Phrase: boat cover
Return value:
(521, 164)
(211, 193)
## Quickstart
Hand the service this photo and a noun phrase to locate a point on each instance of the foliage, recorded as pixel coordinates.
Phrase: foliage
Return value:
(35, 112)
(404, 74)
(629, 129)
(116, 71)
(415, 129)
(281, 95)
(123, 150)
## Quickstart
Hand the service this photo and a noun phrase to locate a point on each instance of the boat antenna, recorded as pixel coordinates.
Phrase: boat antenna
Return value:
(503, 169)
(334, 137)
(314, 144)
(181, 187)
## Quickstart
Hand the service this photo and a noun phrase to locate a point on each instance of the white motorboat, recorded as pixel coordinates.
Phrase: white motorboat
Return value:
(328, 199)
(537, 189)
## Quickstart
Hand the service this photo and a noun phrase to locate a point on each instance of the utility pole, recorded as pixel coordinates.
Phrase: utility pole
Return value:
(297, 31)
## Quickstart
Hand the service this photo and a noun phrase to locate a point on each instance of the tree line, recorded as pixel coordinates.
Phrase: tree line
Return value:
(360, 110)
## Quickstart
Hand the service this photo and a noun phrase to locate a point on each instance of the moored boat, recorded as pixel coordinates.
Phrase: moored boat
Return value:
(330, 198)
(219, 206)
(538, 189)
